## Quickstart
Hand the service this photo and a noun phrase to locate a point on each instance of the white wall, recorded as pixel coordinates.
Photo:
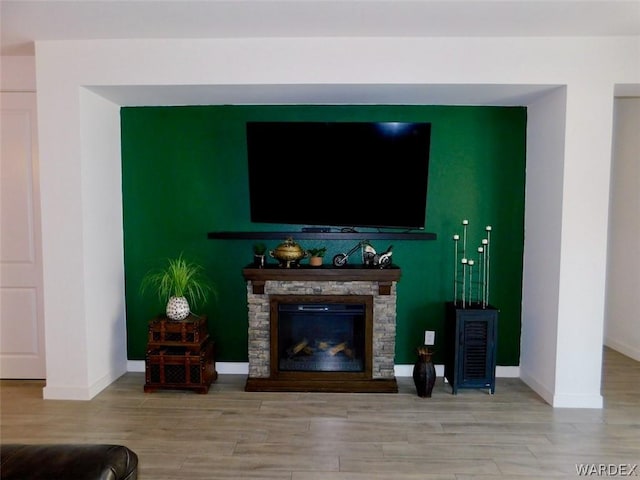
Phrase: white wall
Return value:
(543, 233)
(583, 242)
(103, 240)
(18, 74)
(564, 248)
(622, 325)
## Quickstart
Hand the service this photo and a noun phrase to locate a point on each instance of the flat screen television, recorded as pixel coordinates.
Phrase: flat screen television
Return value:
(339, 174)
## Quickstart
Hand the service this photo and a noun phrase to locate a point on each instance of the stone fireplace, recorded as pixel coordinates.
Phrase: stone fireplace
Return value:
(321, 329)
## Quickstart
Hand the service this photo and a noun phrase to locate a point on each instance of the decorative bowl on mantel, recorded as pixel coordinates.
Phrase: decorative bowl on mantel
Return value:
(288, 253)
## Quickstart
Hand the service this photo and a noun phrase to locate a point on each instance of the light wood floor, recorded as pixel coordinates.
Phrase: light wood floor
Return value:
(232, 434)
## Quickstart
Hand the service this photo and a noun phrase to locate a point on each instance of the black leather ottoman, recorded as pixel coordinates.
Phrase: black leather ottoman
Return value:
(68, 462)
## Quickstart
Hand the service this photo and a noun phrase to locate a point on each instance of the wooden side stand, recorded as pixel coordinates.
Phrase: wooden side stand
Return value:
(180, 355)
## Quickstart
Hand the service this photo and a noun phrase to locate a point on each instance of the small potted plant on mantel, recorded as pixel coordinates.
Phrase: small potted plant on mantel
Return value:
(182, 284)
(316, 255)
(259, 254)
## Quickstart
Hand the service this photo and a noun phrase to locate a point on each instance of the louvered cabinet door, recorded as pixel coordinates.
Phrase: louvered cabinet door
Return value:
(470, 357)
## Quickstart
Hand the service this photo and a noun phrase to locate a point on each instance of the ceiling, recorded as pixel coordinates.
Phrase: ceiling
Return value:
(24, 21)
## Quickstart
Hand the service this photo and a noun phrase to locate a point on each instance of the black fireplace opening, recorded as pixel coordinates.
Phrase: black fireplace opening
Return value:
(321, 337)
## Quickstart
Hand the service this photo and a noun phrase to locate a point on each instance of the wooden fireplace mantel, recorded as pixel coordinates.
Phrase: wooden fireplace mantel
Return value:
(349, 273)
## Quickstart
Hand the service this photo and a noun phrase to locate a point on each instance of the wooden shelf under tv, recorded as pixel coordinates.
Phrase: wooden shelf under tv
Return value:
(323, 235)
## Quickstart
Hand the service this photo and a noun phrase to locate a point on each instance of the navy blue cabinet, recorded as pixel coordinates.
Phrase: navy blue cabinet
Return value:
(470, 347)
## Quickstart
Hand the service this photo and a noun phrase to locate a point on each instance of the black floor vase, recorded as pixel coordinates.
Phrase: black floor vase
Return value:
(424, 374)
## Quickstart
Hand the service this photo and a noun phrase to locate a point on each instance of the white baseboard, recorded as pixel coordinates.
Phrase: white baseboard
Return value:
(242, 368)
(538, 387)
(623, 348)
(66, 392)
(135, 366)
(407, 370)
(577, 401)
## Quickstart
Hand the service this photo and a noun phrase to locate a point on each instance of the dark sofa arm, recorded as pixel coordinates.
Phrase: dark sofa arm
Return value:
(68, 462)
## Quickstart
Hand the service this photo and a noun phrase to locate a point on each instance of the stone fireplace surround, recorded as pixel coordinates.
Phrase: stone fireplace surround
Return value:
(379, 284)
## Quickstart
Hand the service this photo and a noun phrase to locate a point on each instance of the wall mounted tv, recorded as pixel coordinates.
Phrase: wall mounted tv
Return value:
(342, 174)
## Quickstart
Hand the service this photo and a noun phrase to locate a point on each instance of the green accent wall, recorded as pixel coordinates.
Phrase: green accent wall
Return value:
(184, 174)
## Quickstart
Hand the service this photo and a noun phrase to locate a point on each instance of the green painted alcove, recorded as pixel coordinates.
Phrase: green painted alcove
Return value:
(184, 174)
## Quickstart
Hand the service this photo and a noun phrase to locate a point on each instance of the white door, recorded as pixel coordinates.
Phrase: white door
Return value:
(21, 308)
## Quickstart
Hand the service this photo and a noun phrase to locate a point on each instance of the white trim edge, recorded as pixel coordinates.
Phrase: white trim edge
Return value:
(242, 368)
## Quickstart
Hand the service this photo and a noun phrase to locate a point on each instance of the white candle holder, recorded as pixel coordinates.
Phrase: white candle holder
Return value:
(464, 281)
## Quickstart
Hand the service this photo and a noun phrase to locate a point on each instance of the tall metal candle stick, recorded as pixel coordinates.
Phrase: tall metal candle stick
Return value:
(484, 276)
(480, 289)
(464, 280)
(470, 263)
(465, 224)
(456, 239)
(488, 230)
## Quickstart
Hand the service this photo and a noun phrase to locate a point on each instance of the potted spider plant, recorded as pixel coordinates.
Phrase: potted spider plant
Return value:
(181, 283)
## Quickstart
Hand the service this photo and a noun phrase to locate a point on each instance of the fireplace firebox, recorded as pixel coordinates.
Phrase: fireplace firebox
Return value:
(321, 337)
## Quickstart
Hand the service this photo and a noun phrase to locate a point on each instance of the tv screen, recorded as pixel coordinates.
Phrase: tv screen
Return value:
(343, 174)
